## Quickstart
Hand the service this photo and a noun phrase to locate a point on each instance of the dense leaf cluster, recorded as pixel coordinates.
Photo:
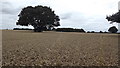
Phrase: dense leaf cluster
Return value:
(113, 29)
(114, 18)
(40, 17)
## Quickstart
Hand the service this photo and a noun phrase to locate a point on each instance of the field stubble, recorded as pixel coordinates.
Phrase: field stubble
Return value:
(27, 48)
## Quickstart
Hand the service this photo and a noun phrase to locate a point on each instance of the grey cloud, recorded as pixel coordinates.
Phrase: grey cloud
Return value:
(7, 11)
(80, 20)
(8, 21)
(9, 15)
(8, 8)
(66, 16)
(69, 17)
(75, 17)
(74, 20)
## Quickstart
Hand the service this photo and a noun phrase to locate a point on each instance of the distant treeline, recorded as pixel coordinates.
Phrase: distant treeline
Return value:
(22, 29)
(57, 29)
(69, 30)
(64, 30)
(96, 32)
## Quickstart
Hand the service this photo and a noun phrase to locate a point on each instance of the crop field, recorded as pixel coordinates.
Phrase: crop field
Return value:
(28, 48)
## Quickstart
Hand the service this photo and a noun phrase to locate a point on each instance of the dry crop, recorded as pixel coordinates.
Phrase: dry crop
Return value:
(27, 48)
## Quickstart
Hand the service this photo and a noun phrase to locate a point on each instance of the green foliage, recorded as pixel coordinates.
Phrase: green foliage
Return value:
(39, 17)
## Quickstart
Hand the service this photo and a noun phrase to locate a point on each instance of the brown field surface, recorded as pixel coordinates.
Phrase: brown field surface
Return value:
(27, 48)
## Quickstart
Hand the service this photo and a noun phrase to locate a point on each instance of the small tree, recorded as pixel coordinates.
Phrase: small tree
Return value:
(40, 17)
(88, 31)
(113, 29)
(100, 32)
(92, 31)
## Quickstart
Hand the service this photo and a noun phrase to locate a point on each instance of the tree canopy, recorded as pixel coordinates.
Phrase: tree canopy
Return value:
(113, 29)
(114, 18)
(40, 17)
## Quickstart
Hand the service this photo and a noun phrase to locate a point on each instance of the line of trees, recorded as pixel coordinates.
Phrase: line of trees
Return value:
(112, 29)
(69, 30)
(22, 29)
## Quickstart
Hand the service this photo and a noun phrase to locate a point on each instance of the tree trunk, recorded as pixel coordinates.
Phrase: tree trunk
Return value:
(38, 29)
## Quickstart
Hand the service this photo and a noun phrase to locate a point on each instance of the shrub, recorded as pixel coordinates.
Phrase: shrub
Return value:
(113, 29)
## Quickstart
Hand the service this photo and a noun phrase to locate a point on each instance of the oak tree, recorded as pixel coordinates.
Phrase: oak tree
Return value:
(40, 17)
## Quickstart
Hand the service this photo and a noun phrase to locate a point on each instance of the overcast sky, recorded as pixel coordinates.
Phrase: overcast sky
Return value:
(87, 14)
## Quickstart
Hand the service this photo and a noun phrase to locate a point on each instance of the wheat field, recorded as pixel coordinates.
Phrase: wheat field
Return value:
(28, 48)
